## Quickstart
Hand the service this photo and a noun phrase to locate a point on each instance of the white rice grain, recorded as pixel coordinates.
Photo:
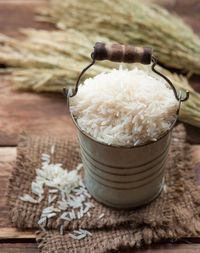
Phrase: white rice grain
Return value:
(62, 205)
(73, 237)
(81, 234)
(42, 228)
(79, 237)
(85, 232)
(48, 209)
(52, 149)
(42, 220)
(51, 215)
(87, 194)
(61, 230)
(45, 155)
(53, 191)
(79, 166)
(51, 198)
(78, 232)
(101, 215)
(71, 215)
(28, 198)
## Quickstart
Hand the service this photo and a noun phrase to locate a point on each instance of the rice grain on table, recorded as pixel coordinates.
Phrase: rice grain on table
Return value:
(124, 107)
(66, 183)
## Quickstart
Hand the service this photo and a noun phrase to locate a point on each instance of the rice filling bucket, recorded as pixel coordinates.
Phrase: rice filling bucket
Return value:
(120, 176)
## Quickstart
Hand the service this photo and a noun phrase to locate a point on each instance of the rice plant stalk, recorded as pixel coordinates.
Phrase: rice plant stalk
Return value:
(130, 22)
(48, 61)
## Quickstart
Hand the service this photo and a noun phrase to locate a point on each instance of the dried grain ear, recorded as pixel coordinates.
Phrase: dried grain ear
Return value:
(48, 73)
(147, 23)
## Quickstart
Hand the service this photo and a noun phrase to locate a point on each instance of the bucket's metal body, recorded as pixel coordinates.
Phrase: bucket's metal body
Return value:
(118, 176)
(123, 177)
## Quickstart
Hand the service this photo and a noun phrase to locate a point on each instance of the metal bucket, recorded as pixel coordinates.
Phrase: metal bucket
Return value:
(124, 177)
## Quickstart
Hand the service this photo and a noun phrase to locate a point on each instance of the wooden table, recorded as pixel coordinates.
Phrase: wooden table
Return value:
(46, 114)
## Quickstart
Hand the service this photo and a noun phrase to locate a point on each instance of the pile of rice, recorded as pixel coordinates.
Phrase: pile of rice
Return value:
(124, 107)
(74, 202)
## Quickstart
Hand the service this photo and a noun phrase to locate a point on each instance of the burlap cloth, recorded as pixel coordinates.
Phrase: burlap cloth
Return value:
(173, 215)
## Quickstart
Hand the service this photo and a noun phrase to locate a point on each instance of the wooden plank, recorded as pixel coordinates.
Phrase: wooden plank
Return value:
(13, 233)
(160, 248)
(8, 156)
(19, 111)
(19, 248)
(15, 15)
(44, 114)
(170, 248)
(7, 159)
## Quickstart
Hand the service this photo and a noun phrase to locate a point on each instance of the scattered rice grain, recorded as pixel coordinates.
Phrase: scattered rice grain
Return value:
(42, 220)
(51, 215)
(61, 230)
(101, 216)
(52, 149)
(51, 198)
(79, 166)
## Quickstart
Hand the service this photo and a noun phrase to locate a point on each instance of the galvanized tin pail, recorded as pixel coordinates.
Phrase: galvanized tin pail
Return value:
(124, 177)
